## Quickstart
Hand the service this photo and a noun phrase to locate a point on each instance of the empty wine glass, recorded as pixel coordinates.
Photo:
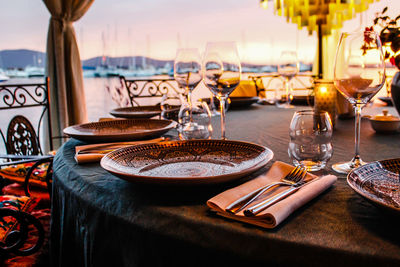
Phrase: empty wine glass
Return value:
(187, 73)
(359, 73)
(222, 72)
(287, 68)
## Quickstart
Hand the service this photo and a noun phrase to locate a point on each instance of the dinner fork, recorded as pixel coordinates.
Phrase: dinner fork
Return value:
(293, 177)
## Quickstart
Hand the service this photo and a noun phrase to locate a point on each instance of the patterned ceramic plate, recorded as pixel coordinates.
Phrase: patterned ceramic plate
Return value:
(136, 112)
(378, 182)
(187, 162)
(119, 130)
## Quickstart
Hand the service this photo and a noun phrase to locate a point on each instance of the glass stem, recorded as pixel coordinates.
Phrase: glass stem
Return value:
(356, 160)
(287, 90)
(189, 96)
(222, 100)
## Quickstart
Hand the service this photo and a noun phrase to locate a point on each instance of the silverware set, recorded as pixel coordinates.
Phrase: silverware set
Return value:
(294, 179)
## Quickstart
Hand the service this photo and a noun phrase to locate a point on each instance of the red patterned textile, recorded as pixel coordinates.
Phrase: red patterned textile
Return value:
(18, 172)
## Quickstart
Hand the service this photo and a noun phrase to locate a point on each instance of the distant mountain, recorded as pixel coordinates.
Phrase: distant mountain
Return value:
(21, 58)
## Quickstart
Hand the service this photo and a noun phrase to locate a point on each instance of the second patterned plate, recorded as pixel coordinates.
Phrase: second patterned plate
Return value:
(187, 162)
(378, 182)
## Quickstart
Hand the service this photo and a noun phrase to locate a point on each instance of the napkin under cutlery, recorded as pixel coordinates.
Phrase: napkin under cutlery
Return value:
(95, 152)
(275, 214)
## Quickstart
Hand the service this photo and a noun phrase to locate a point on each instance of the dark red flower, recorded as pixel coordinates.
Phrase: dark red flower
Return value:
(393, 61)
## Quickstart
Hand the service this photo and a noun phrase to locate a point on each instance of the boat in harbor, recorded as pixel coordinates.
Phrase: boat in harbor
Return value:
(16, 73)
(33, 71)
(3, 76)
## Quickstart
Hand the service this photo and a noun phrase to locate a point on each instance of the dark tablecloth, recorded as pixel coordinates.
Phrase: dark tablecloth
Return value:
(101, 220)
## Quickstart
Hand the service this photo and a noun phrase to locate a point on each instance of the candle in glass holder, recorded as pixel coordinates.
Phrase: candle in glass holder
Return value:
(325, 98)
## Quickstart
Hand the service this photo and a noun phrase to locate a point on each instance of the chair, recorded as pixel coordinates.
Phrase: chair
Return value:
(21, 233)
(145, 91)
(25, 171)
(26, 109)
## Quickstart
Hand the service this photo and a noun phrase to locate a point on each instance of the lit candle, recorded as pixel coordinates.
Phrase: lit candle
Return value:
(325, 98)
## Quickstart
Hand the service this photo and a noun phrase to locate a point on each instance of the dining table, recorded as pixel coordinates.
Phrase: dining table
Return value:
(99, 219)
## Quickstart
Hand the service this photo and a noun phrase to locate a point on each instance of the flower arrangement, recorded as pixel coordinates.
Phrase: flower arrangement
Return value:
(389, 34)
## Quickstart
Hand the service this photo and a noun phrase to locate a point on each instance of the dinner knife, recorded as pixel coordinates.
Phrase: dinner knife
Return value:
(254, 210)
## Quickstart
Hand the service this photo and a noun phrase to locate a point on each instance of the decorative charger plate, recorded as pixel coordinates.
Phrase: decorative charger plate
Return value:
(236, 101)
(239, 101)
(187, 162)
(119, 130)
(378, 182)
(387, 100)
(136, 112)
(303, 100)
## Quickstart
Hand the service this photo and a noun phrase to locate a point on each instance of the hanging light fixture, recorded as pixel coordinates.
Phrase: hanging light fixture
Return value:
(321, 16)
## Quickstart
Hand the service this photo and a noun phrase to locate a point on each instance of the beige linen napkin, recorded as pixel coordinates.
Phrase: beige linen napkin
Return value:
(95, 152)
(275, 214)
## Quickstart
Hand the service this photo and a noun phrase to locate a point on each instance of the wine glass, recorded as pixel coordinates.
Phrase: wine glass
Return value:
(222, 72)
(359, 73)
(187, 73)
(287, 68)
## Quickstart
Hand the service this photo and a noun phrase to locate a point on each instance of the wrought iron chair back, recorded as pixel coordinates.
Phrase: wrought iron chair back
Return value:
(302, 84)
(26, 107)
(141, 91)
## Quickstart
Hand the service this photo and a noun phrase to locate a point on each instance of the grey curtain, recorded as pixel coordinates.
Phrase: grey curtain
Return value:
(67, 98)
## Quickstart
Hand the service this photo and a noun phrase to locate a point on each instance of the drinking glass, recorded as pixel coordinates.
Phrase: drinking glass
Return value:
(187, 73)
(310, 139)
(171, 103)
(287, 68)
(359, 73)
(201, 115)
(222, 72)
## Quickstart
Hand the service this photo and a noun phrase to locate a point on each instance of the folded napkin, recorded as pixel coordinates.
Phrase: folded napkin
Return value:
(95, 152)
(247, 88)
(275, 214)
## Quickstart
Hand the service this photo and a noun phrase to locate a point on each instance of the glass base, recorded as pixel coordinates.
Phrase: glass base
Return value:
(284, 105)
(264, 101)
(346, 167)
(311, 166)
(194, 131)
(215, 113)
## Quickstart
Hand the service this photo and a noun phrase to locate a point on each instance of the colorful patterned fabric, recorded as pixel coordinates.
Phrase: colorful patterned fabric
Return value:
(24, 203)
(18, 172)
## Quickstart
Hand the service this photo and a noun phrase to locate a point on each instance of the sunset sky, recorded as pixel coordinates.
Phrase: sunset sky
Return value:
(157, 28)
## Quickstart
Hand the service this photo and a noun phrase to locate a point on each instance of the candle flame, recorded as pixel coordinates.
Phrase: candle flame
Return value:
(323, 89)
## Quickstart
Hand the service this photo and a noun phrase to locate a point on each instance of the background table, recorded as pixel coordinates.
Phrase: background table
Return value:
(101, 220)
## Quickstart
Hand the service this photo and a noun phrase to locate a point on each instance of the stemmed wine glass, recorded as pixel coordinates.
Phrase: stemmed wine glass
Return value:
(288, 68)
(222, 72)
(187, 73)
(359, 73)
